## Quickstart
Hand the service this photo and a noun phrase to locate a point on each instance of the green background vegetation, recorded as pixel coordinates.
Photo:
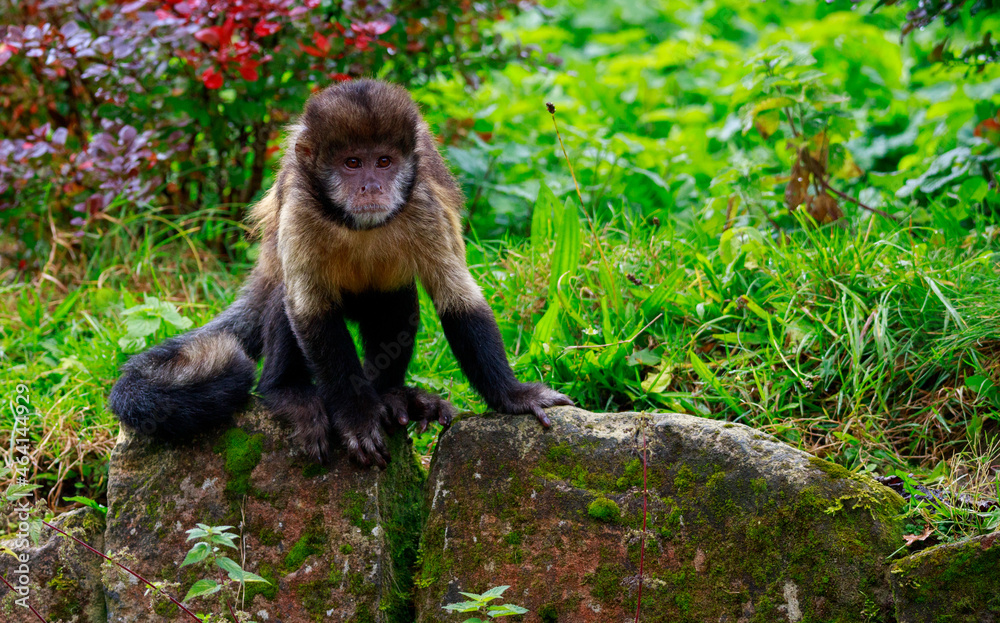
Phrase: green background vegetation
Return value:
(684, 281)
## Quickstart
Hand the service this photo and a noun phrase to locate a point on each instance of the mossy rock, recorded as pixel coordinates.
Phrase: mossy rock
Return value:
(63, 578)
(337, 542)
(953, 583)
(739, 526)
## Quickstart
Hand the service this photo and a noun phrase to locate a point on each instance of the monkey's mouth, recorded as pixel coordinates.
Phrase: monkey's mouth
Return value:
(371, 209)
(369, 215)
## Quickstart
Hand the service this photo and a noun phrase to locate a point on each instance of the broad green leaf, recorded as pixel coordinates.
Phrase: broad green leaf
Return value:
(493, 593)
(196, 554)
(235, 571)
(544, 330)
(543, 217)
(658, 380)
(566, 256)
(463, 606)
(644, 357)
(201, 588)
(505, 610)
(610, 290)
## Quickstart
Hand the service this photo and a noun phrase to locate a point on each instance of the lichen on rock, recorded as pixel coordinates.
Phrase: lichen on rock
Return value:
(955, 582)
(328, 537)
(63, 578)
(740, 527)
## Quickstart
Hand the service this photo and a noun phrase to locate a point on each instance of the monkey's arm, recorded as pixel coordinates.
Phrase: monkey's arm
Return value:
(354, 407)
(475, 339)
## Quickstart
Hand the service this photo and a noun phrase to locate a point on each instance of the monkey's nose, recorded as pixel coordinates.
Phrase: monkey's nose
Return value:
(376, 188)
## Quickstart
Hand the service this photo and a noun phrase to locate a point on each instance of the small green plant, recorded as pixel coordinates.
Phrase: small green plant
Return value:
(144, 320)
(89, 503)
(207, 552)
(481, 603)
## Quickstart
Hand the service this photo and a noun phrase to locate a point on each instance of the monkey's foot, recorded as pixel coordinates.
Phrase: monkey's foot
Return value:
(360, 428)
(304, 410)
(532, 398)
(409, 404)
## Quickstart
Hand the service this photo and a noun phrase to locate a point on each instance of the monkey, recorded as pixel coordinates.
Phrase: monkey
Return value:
(362, 208)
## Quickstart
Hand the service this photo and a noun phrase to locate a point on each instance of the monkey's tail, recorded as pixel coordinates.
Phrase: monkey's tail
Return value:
(195, 381)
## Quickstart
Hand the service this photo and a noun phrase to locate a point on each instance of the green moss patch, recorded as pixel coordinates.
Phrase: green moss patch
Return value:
(242, 453)
(603, 509)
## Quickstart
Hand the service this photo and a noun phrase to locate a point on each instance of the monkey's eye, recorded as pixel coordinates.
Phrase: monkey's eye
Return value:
(383, 162)
(352, 163)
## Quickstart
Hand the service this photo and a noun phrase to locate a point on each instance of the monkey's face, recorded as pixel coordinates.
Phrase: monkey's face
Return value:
(370, 183)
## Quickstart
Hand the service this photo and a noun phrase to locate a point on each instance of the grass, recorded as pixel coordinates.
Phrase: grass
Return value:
(681, 282)
(854, 343)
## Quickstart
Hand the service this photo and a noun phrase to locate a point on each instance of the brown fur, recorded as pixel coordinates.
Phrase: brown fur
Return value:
(319, 259)
(201, 357)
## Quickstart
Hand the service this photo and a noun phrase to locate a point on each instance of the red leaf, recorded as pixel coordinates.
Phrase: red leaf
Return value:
(208, 36)
(265, 28)
(211, 79)
(340, 77)
(373, 28)
(311, 51)
(249, 70)
(321, 42)
(226, 31)
(988, 129)
(363, 42)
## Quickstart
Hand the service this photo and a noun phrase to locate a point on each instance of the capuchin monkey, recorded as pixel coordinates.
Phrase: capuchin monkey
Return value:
(362, 207)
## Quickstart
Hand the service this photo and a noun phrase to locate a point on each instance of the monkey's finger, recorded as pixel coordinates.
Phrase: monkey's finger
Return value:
(369, 454)
(540, 414)
(399, 412)
(446, 413)
(423, 426)
(354, 449)
(379, 453)
(562, 400)
(379, 459)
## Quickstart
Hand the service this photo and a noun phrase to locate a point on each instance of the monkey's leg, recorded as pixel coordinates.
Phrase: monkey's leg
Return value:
(286, 383)
(389, 322)
(356, 411)
(475, 339)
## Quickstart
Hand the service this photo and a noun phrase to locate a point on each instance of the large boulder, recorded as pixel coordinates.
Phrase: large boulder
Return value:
(956, 582)
(740, 527)
(335, 542)
(63, 578)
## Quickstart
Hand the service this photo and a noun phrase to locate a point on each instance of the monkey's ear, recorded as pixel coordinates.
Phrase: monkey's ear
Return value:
(303, 151)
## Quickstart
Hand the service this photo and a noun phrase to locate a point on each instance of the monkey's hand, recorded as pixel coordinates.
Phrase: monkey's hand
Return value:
(360, 426)
(532, 398)
(304, 410)
(409, 404)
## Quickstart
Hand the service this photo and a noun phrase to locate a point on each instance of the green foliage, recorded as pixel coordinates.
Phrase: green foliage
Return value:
(206, 553)
(143, 321)
(729, 258)
(481, 603)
